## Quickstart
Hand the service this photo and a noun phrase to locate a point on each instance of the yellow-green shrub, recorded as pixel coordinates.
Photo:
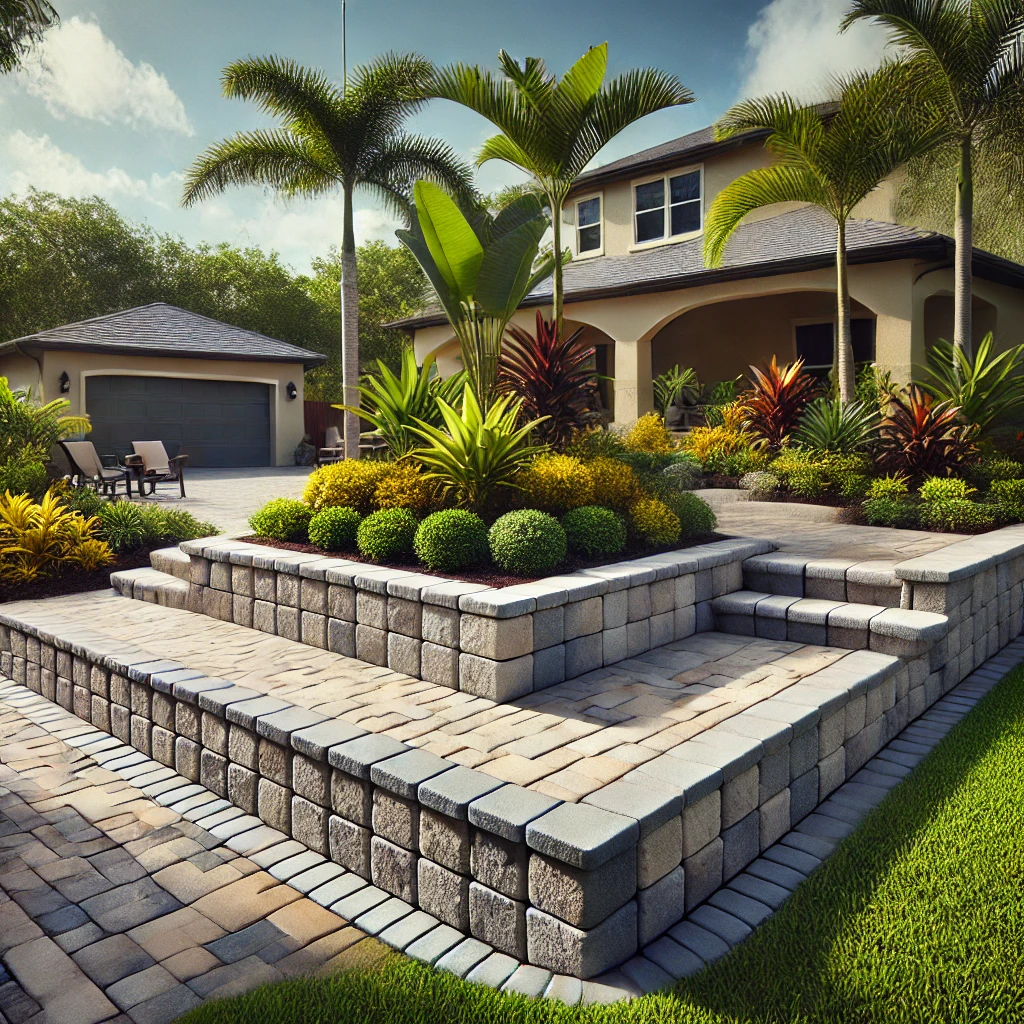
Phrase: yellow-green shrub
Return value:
(557, 483)
(649, 434)
(654, 522)
(352, 483)
(403, 485)
(615, 485)
(39, 538)
(724, 449)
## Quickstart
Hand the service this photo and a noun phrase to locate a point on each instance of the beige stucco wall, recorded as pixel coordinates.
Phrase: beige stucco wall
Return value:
(286, 415)
(21, 371)
(718, 172)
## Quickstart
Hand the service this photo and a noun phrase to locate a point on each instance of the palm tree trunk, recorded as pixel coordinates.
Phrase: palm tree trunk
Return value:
(964, 238)
(556, 247)
(844, 336)
(349, 330)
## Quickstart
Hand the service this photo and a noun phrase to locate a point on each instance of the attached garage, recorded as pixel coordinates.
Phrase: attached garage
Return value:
(220, 394)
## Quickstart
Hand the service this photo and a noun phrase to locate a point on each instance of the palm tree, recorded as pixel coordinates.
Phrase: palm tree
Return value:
(828, 155)
(331, 139)
(968, 56)
(22, 23)
(552, 129)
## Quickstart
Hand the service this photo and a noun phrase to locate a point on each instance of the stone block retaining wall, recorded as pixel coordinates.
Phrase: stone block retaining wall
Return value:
(574, 888)
(493, 643)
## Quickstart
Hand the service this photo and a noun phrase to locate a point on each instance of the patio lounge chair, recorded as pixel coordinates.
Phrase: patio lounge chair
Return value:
(334, 448)
(87, 469)
(151, 465)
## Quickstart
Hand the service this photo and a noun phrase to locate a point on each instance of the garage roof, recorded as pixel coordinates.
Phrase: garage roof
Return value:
(162, 329)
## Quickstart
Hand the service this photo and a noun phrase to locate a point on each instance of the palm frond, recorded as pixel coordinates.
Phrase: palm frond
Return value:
(759, 187)
(273, 158)
(22, 23)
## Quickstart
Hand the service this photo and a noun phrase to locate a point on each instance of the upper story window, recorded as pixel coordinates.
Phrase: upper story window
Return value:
(588, 225)
(667, 207)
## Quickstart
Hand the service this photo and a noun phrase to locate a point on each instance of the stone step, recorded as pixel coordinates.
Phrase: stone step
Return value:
(873, 581)
(151, 585)
(897, 631)
(172, 561)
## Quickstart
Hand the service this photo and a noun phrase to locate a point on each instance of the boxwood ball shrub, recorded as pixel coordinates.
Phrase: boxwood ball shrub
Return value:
(527, 542)
(387, 535)
(696, 517)
(334, 528)
(956, 515)
(894, 512)
(593, 531)
(1007, 499)
(282, 519)
(451, 539)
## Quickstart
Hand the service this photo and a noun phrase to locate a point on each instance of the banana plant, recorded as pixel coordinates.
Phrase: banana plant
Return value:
(394, 404)
(481, 269)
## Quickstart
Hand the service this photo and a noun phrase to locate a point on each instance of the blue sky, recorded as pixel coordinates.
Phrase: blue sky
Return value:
(123, 95)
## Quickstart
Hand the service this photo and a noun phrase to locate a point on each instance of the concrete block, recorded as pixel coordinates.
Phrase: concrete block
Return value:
(404, 653)
(499, 681)
(497, 920)
(439, 665)
(405, 617)
(341, 637)
(309, 824)
(615, 645)
(396, 819)
(371, 643)
(583, 618)
(443, 893)
(702, 822)
(352, 798)
(349, 845)
(740, 796)
(274, 805)
(496, 639)
(500, 864)
(313, 596)
(582, 898)
(213, 772)
(445, 840)
(659, 852)
(341, 602)
(243, 786)
(775, 818)
(274, 761)
(741, 844)
(615, 608)
(393, 869)
(289, 623)
(660, 906)
(584, 654)
(186, 758)
(548, 628)
(560, 947)
(703, 873)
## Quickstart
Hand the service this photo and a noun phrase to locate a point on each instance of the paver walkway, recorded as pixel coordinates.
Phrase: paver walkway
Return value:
(227, 497)
(565, 741)
(769, 520)
(115, 907)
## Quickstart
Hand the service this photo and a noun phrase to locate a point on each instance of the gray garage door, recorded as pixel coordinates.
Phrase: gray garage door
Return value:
(214, 422)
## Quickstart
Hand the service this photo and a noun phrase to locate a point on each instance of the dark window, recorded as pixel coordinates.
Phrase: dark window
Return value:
(684, 192)
(588, 225)
(814, 343)
(650, 211)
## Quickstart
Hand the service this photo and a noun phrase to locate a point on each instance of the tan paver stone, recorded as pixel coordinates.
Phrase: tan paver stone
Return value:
(245, 901)
(188, 883)
(190, 963)
(305, 921)
(175, 932)
(16, 927)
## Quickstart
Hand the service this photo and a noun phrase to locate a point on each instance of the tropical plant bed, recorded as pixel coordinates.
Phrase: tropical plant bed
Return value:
(76, 581)
(488, 576)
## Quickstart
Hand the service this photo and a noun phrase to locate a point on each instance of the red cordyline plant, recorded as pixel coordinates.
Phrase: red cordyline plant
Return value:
(921, 437)
(776, 400)
(553, 375)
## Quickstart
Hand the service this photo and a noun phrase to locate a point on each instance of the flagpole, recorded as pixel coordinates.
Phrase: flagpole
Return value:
(344, 51)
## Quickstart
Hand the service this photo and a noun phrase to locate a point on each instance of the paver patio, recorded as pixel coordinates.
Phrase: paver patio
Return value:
(114, 907)
(565, 741)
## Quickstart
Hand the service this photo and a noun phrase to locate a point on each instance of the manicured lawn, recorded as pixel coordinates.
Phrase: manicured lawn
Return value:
(918, 917)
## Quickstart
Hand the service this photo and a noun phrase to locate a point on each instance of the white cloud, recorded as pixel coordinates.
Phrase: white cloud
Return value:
(77, 70)
(36, 161)
(297, 229)
(795, 46)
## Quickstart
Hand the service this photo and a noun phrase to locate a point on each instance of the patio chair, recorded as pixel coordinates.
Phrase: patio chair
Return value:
(87, 469)
(151, 466)
(334, 448)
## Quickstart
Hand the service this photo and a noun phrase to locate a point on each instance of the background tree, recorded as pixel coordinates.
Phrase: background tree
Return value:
(828, 156)
(22, 23)
(391, 286)
(968, 57)
(552, 129)
(331, 139)
(63, 260)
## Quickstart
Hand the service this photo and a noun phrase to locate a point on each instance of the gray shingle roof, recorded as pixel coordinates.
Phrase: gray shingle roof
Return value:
(800, 239)
(162, 329)
(675, 149)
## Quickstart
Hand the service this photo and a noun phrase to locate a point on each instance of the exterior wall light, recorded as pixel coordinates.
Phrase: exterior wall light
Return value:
(291, 391)
(65, 383)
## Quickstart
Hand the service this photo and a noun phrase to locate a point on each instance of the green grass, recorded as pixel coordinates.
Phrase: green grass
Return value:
(917, 917)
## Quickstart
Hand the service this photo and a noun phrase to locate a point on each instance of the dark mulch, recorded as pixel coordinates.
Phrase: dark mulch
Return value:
(75, 582)
(487, 577)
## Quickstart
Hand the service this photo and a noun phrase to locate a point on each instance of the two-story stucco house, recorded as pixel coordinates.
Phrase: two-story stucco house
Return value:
(638, 284)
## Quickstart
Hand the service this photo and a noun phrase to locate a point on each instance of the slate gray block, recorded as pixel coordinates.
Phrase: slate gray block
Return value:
(581, 835)
(358, 756)
(452, 791)
(507, 811)
(404, 773)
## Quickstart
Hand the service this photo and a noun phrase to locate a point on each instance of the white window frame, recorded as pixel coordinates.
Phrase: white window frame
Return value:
(599, 251)
(667, 238)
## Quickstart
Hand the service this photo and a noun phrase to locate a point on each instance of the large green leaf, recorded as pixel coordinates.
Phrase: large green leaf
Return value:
(582, 82)
(506, 269)
(452, 242)
(413, 239)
